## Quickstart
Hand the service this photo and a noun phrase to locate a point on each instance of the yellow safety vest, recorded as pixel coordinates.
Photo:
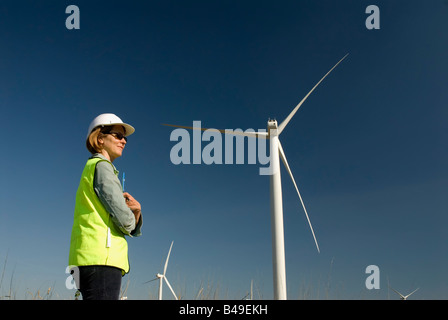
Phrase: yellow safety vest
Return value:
(95, 239)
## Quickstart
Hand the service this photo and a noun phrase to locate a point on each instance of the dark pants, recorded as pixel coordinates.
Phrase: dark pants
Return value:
(99, 282)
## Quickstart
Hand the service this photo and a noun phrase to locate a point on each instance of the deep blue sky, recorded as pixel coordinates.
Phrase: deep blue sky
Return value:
(368, 148)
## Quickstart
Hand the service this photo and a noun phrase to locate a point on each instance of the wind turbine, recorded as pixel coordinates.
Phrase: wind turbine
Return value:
(402, 297)
(249, 295)
(276, 152)
(162, 277)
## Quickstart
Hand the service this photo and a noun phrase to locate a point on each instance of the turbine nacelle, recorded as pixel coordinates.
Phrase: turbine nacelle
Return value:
(272, 128)
(272, 124)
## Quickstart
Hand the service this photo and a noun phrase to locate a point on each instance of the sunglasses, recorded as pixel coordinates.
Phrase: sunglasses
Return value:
(117, 135)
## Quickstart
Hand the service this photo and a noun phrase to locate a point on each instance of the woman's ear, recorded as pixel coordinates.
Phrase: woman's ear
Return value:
(100, 141)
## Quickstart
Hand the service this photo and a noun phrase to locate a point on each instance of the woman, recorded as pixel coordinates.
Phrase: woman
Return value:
(104, 215)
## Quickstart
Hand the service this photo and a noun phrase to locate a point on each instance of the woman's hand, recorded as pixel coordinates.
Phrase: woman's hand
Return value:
(134, 205)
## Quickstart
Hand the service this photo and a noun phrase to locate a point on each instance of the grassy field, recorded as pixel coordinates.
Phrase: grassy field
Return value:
(321, 288)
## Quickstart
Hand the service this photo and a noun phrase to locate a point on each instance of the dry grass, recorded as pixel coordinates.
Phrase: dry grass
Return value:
(207, 290)
(36, 296)
(11, 294)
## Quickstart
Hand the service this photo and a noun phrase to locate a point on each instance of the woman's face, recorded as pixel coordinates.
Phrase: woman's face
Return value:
(112, 146)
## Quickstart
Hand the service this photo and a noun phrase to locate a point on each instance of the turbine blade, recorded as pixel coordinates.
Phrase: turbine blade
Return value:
(151, 280)
(411, 292)
(285, 162)
(167, 259)
(289, 117)
(193, 128)
(402, 296)
(257, 134)
(169, 286)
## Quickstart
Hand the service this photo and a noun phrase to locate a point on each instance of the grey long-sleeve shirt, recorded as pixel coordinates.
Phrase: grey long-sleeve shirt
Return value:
(108, 188)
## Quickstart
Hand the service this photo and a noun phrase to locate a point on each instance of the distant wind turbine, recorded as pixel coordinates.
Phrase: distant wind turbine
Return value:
(276, 152)
(249, 295)
(162, 277)
(402, 297)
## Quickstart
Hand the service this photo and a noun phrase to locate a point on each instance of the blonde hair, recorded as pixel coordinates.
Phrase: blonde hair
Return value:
(92, 143)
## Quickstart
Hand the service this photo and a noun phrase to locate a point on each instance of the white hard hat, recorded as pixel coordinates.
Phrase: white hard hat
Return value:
(109, 119)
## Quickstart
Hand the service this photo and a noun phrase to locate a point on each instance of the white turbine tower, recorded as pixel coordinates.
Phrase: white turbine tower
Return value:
(276, 152)
(163, 277)
(402, 297)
